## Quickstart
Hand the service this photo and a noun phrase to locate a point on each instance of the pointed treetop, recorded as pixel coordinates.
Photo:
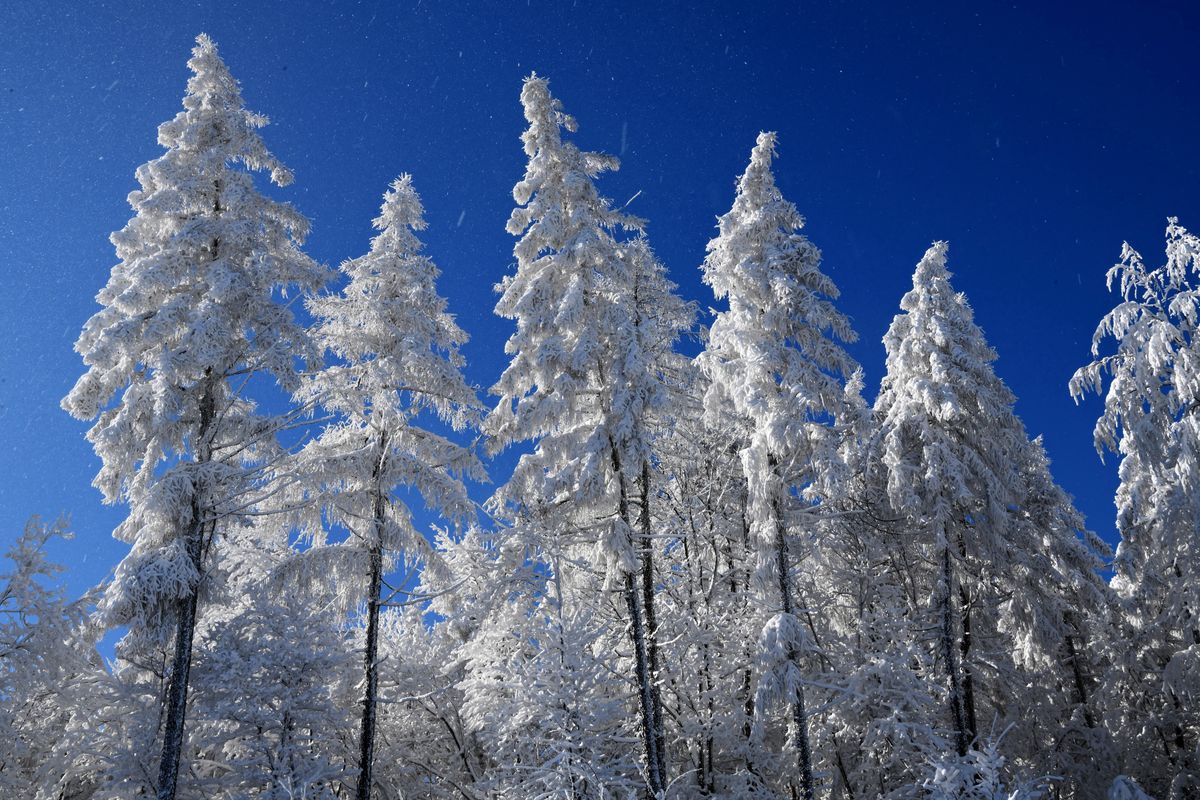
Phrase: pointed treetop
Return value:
(938, 332)
(565, 295)
(756, 186)
(557, 166)
(192, 298)
(759, 235)
(211, 83)
(937, 309)
(215, 120)
(758, 180)
(401, 206)
(401, 214)
(940, 377)
(776, 354)
(544, 113)
(764, 147)
(931, 275)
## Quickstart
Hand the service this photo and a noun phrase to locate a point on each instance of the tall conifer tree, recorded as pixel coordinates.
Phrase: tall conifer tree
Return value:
(576, 385)
(990, 539)
(397, 350)
(1150, 420)
(190, 314)
(775, 357)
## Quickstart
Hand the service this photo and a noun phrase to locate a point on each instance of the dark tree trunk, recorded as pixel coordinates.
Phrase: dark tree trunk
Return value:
(799, 715)
(968, 678)
(199, 529)
(185, 629)
(705, 780)
(946, 601)
(748, 673)
(652, 652)
(1081, 692)
(637, 635)
(366, 749)
(366, 744)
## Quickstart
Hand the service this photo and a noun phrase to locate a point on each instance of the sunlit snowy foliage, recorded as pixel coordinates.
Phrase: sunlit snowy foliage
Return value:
(717, 570)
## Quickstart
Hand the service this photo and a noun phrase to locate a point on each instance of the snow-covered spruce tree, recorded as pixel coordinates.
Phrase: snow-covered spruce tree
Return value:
(1126, 788)
(991, 542)
(576, 385)
(979, 775)
(273, 683)
(1150, 419)
(544, 697)
(397, 350)
(190, 315)
(775, 358)
(107, 750)
(1058, 632)
(485, 719)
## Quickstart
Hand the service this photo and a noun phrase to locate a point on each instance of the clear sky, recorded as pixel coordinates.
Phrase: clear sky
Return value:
(1035, 137)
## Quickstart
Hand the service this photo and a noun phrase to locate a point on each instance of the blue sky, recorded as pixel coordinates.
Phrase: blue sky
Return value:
(1035, 137)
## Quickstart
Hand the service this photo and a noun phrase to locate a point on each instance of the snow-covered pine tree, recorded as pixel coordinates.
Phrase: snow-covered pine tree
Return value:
(190, 315)
(397, 350)
(991, 542)
(978, 775)
(1058, 629)
(424, 741)
(945, 451)
(576, 385)
(1150, 419)
(544, 697)
(775, 357)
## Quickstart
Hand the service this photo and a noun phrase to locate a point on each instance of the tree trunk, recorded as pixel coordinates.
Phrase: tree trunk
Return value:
(366, 749)
(799, 715)
(705, 779)
(747, 674)
(185, 627)
(968, 678)
(647, 553)
(1081, 693)
(645, 693)
(637, 635)
(946, 601)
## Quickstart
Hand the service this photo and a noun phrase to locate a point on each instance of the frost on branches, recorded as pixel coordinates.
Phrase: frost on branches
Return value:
(190, 313)
(397, 351)
(775, 359)
(1150, 421)
(1003, 569)
(727, 576)
(580, 382)
(44, 644)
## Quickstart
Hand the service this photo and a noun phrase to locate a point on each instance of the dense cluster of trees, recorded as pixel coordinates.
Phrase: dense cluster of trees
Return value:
(722, 576)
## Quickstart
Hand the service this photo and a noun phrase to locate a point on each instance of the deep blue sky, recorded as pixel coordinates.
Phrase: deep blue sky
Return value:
(1034, 137)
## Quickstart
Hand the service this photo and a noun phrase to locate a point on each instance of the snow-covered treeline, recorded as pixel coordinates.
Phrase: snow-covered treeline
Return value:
(728, 576)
